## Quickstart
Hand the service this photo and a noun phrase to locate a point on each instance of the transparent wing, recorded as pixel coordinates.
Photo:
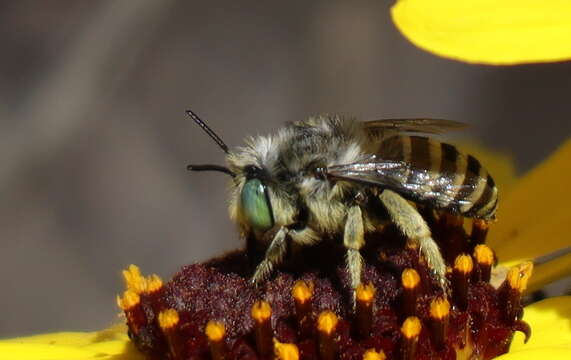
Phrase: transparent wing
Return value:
(420, 125)
(439, 190)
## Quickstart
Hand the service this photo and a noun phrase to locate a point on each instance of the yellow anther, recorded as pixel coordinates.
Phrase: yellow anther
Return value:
(410, 278)
(301, 291)
(365, 293)
(518, 276)
(168, 319)
(154, 283)
(215, 331)
(463, 264)
(134, 280)
(284, 351)
(411, 327)
(327, 322)
(261, 311)
(439, 308)
(129, 300)
(484, 255)
(372, 354)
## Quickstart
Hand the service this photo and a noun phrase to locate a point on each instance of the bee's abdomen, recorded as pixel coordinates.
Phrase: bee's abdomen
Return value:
(443, 177)
(474, 191)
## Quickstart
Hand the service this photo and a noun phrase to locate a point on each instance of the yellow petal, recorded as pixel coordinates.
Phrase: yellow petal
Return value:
(550, 322)
(534, 219)
(562, 352)
(108, 344)
(488, 31)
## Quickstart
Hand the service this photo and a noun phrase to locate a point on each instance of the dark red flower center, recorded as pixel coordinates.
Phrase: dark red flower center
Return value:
(309, 311)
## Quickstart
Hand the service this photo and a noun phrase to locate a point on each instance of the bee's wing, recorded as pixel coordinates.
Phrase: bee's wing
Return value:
(424, 170)
(440, 191)
(386, 173)
(420, 126)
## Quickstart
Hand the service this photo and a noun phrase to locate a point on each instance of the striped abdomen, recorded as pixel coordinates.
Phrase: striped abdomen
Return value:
(441, 176)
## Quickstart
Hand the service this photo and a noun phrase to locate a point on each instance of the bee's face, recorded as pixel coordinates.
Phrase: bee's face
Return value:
(260, 202)
(264, 194)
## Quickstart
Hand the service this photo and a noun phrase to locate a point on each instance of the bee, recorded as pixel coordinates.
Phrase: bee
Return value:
(320, 178)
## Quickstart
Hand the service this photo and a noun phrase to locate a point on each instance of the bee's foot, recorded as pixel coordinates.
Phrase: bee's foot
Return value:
(444, 283)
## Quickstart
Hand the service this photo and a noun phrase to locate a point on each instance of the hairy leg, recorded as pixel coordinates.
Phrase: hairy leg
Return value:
(274, 256)
(353, 240)
(413, 226)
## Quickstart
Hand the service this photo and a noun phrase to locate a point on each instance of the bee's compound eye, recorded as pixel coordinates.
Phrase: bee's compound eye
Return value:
(256, 205)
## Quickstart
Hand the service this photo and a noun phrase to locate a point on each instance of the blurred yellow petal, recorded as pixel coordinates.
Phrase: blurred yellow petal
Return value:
(488, 31)
(110, 344)
(562, 352)
(550, 322)
(534, 218)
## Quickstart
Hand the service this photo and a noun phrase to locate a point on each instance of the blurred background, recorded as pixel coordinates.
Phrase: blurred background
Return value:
(94, 139)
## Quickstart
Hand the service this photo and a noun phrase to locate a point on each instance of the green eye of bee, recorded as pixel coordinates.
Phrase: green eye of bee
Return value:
(256, 206)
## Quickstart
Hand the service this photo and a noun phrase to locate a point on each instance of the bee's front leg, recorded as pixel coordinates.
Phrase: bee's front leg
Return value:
(274, 254)
(353, 240)
(413, 226)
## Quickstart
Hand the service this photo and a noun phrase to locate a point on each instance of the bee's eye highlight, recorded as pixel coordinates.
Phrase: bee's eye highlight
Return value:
(256, 205)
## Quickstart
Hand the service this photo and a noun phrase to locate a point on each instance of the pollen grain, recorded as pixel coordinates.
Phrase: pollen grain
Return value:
(365, 292)
(464, 264)
(439, 308)
(261, 311)
(168, 319)
(301, 291)
(129, 300)
(215, 331)
(411, 327)
(154, 283)
(134, 280)
(518, 276)
(327, 322)
(372, 354)
(284, 351)
(483, 254)
(410, 278)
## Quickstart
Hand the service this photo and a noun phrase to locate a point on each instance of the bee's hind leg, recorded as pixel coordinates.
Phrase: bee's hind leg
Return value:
(413, 226)
(274, 255)
(353, 240)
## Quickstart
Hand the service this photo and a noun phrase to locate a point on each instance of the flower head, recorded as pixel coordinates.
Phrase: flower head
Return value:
(310, 311)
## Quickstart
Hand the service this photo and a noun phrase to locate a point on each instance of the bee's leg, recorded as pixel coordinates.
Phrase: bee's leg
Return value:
(274, 255)
(413, 226)
(354, 239)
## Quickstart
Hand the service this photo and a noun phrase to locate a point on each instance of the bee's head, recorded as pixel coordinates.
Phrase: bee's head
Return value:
(260, 200)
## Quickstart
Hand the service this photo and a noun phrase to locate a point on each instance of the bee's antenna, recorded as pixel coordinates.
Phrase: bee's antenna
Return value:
(208, 130)
(209, 167)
